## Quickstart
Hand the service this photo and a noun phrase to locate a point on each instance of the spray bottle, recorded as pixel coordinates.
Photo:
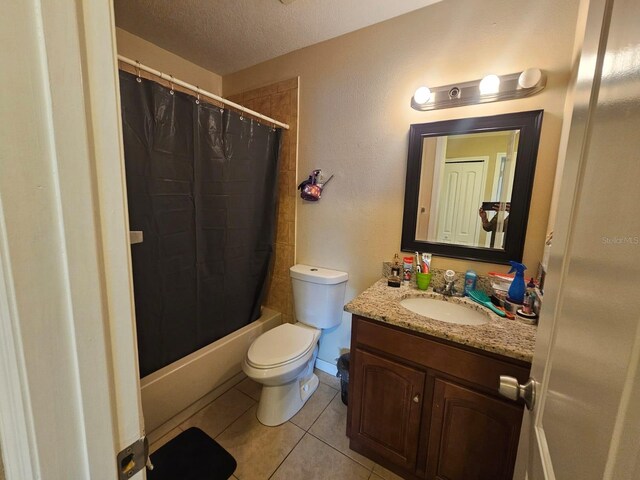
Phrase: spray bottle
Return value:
(517, 288)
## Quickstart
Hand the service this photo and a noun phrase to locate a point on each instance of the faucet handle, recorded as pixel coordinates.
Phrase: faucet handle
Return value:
(449, 276)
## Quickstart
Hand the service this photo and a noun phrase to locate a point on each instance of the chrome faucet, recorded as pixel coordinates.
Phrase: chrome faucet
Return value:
(449, 288)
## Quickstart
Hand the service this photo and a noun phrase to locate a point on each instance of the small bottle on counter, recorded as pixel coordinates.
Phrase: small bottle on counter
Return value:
(394, 278)
(470, 279)
(395, 266)
(407, 265)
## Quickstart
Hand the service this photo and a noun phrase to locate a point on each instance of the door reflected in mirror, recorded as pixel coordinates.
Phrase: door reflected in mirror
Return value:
(466, 183)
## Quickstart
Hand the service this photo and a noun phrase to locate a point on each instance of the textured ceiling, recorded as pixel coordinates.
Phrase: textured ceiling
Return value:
(225, 36)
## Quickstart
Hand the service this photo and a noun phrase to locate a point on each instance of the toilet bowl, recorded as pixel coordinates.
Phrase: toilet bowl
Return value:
(283, 358)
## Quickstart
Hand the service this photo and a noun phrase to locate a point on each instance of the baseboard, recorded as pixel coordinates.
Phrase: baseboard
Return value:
(326, 367)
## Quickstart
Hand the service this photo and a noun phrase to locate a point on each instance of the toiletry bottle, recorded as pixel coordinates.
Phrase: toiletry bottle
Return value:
(529, 297)
(517, 288)
(395, 266)
(470, 279)
(407, 265)
(394, 279)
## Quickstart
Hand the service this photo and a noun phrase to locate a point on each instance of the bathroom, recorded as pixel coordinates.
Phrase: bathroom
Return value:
(347, 104)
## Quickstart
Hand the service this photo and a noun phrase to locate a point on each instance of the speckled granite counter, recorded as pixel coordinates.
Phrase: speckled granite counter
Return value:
(512, 338)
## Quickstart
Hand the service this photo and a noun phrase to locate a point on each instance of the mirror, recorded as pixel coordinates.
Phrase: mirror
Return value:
(469, 186)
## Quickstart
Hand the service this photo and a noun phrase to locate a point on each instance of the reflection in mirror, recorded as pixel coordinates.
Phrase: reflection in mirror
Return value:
(469, 184)
(466, 184)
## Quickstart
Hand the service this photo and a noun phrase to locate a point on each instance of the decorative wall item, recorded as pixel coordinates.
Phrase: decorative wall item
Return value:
(311, 188)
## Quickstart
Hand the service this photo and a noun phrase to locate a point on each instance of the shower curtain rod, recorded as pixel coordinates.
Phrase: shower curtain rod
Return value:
(204, 93)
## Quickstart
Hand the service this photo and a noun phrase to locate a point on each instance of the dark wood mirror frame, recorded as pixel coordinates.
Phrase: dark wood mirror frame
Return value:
(529, 124)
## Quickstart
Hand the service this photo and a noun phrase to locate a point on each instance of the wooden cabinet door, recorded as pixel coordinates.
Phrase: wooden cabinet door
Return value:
(387, 404)
(472, 436)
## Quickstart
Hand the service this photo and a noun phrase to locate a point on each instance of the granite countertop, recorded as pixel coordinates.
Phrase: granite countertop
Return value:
(511, 338)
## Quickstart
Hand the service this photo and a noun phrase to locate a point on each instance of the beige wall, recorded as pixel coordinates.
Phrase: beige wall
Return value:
(355, 116)
(149, 54)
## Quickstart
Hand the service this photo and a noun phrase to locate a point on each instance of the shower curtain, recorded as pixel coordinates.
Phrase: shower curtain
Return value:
(202, 187)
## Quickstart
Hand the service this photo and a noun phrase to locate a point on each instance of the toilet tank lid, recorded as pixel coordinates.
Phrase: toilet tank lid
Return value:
(320, 275)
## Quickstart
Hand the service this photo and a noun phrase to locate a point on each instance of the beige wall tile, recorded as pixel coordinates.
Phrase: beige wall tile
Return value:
(280, 101)
(290, 84)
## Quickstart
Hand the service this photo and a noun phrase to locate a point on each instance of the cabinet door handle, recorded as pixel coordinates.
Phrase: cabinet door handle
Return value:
(416, 399)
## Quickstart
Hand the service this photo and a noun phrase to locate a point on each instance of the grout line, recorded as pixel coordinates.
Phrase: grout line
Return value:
(343, 454)
(290, 451)
(246, 395)
(306, 432)
(237, 418)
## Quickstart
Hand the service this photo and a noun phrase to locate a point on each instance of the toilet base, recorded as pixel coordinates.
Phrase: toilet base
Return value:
(279, 403)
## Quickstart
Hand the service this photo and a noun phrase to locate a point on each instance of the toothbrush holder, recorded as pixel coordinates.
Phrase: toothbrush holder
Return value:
(423, 280)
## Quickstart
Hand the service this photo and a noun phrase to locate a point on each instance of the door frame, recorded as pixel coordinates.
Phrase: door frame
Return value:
(66, 50)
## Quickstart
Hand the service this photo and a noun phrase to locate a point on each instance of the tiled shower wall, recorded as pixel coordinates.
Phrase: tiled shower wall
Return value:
(280, 101)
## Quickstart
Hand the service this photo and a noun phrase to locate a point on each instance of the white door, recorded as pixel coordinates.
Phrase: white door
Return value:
(69, 383)
(460, 197)
(586, 420)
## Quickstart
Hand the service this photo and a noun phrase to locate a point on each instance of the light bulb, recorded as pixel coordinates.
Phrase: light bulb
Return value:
(422, 95)
(489, 84)
(529, 78)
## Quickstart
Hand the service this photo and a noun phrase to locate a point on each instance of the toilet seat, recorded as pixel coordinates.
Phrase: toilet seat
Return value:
(282, 345)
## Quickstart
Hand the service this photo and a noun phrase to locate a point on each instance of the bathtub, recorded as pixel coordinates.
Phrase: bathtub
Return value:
(177, 391)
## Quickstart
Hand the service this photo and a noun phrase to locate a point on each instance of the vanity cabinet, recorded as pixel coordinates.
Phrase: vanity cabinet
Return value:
(426, 408)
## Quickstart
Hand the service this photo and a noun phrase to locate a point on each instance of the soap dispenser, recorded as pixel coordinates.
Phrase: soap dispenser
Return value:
(517, 288)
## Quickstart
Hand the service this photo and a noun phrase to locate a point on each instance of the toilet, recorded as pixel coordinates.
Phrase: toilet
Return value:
(283, 358)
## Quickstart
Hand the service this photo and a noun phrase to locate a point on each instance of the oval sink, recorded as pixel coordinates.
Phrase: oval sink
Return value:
(444, 311)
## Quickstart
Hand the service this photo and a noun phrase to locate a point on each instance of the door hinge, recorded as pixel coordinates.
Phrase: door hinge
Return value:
(134, 458)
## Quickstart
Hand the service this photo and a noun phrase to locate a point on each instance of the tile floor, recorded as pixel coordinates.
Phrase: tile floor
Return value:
(310, 446)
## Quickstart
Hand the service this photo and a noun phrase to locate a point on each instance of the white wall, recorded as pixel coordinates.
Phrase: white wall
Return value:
(355, 116)
(137, 48)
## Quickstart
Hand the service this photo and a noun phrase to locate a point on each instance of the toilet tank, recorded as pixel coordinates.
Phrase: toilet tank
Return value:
(318, 295)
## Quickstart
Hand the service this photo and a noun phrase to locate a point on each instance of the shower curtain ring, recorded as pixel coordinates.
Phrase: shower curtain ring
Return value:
(197, 95)
(171, 83)
(138, 79)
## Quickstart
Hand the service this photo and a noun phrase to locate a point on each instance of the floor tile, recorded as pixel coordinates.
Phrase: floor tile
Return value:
(385, 474)
(258, 449)
(331, 427)
(251, 388)
(313, 459)
(328, 379)
(164, 439)
(220, 413)
(314, 406)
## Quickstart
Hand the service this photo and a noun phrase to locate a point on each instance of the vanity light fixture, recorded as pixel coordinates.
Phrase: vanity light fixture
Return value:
(492, 88)
(422, 95)
(489, 85)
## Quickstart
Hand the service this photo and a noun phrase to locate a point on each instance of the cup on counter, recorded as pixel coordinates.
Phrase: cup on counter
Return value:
(423, 280)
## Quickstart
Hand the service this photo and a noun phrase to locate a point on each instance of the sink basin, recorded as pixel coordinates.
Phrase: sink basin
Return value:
(444, 311)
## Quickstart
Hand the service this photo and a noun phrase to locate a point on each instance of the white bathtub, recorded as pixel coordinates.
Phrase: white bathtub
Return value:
(177, 391)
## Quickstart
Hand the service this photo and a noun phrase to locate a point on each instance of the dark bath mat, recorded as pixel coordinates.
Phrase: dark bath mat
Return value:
(192, 455)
